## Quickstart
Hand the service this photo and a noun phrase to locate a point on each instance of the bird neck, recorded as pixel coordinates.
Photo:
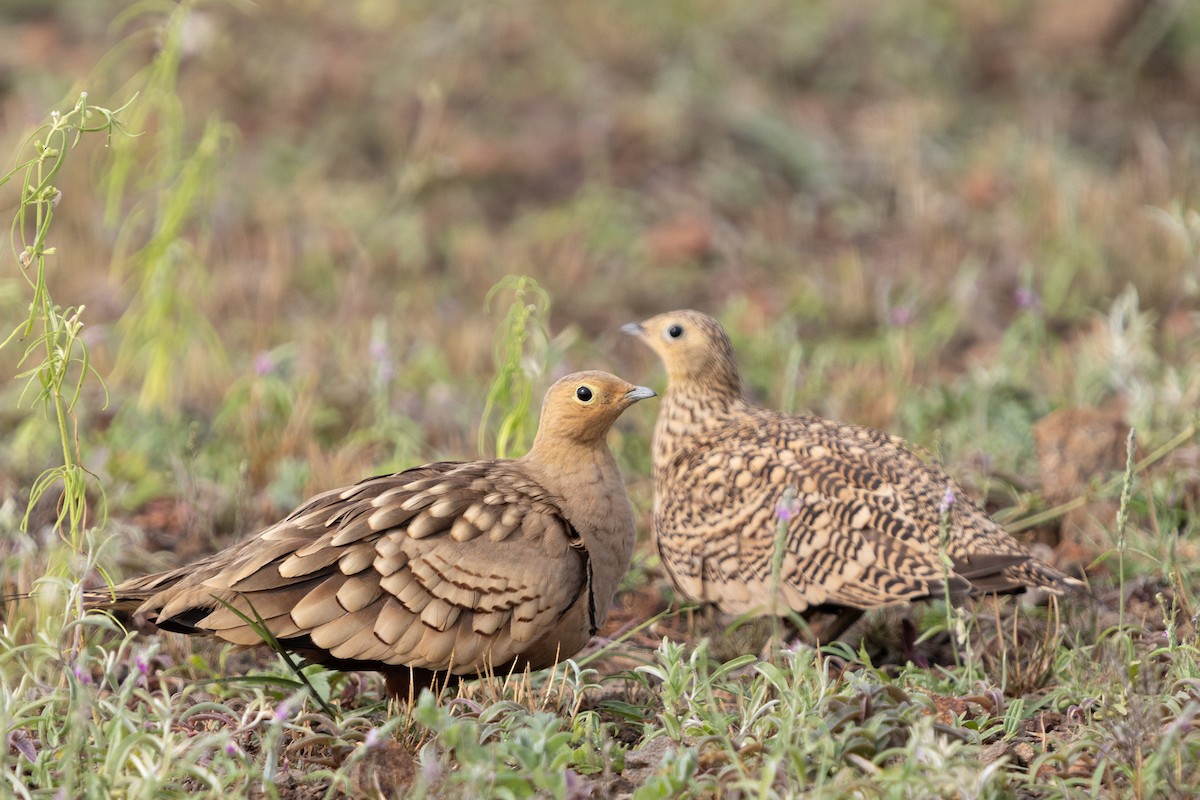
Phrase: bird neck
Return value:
(584, 476)
(691, 409)
(553, 455)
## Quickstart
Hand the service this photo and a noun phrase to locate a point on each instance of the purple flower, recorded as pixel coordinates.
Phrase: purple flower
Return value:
(378, 349)
(901, 316)
(82, 674)
(1027, 298)
(374, 739)
(283, 711)
(948, 499)
(143, 666)
(381, 355)
(788, 505)
(264, 364)
(231, 749)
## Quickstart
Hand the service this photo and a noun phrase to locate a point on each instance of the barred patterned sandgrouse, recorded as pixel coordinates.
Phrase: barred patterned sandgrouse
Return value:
(446, 569)
(867, 518)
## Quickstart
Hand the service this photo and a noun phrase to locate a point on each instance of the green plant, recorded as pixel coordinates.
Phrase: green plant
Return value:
(512, 388)
(55, 362)
(504, 750)
(162, 237)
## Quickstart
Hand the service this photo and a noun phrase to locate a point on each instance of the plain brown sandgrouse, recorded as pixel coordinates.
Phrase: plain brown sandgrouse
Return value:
(866, 519)
(446, 570)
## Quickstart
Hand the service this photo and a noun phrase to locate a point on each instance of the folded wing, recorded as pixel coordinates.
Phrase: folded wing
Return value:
(447, 567)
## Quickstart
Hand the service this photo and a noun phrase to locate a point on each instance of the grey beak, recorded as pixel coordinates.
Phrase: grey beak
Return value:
(640, 393)
(633, 329)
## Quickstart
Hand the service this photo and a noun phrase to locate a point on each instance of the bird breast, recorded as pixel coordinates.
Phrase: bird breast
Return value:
(593, 499)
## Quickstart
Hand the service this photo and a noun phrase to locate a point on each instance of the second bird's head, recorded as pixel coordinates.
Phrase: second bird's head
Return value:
(582, 406)
(693, 347)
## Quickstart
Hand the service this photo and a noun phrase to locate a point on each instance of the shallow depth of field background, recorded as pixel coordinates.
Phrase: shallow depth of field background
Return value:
(945, 219)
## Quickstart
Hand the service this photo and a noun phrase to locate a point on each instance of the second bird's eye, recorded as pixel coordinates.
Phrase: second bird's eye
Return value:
(675, 331)
(584, 394)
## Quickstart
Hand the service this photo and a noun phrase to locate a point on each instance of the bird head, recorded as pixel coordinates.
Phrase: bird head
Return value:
(694, 348)
(582, 406)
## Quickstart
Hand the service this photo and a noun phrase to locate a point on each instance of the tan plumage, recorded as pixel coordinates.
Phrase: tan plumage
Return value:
(867, 518)
(456, 568)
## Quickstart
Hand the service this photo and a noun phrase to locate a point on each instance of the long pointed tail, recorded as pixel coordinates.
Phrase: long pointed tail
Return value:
(128, 597)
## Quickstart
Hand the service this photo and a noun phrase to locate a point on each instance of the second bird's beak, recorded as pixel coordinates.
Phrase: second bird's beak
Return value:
(633, 329)
(639, 393)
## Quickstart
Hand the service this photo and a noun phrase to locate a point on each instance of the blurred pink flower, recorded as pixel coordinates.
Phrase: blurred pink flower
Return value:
(948, 499)
(82, 674)
(901, 316)
(264, 364)
(1027, 298)
(788, 505)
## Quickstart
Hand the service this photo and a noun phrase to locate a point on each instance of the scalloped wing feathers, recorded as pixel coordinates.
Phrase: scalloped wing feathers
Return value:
(450, 565)
(869, 521)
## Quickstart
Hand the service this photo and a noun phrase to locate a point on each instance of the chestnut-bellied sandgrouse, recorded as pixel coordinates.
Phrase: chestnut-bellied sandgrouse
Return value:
(446, 570)
(866, 520)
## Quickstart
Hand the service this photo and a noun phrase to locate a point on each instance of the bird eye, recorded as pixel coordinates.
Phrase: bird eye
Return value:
(584, 394)
(675, 331)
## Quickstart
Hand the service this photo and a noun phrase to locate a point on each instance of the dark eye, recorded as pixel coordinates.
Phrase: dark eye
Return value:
(584, 394)
(675, 331)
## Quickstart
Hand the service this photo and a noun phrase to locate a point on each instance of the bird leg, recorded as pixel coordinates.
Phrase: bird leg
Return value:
(826, 624)
(815, 627)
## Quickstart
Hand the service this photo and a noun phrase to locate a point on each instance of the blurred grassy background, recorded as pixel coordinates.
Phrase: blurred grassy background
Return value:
(942, 218)
(970, 222)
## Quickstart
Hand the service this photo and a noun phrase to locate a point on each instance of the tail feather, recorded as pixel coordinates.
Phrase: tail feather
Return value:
(1011, 573)
(130, 597)
(1037, 574)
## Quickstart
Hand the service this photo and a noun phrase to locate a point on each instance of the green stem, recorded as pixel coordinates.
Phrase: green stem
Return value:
(59, 329)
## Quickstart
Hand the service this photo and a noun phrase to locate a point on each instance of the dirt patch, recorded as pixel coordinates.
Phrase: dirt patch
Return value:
(1078, 449)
